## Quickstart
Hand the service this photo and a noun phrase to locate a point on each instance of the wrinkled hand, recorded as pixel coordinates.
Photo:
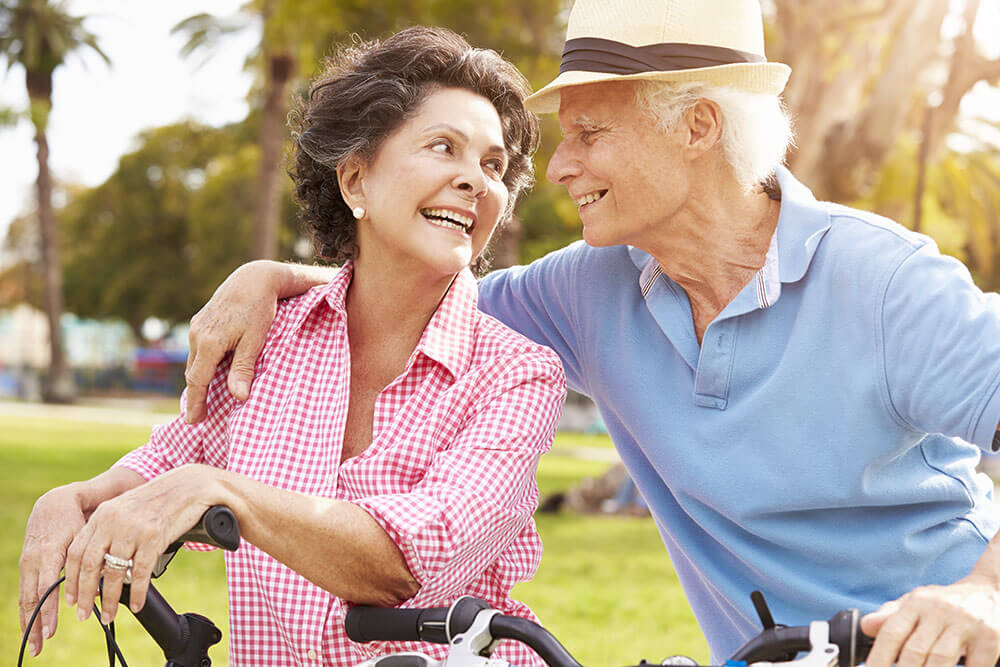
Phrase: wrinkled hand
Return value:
(54, 521)
(936, 625)
(138, 525)
(237, 317)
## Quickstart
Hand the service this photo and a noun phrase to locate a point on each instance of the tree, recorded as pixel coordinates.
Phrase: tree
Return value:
(169, 224)
(863, 72)
(39, 35)
(286, 27)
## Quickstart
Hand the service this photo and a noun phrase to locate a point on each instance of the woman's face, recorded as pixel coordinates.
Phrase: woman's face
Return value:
(434, 191)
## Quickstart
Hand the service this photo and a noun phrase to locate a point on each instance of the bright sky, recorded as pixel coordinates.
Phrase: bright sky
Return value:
(98, 110)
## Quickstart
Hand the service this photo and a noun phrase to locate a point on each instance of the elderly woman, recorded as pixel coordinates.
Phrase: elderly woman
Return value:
(387, 453)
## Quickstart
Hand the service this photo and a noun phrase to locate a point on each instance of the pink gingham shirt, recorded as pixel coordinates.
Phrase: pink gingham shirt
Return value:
(450, 473)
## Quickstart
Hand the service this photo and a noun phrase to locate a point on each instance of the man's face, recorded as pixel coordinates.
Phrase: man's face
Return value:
(626, 175)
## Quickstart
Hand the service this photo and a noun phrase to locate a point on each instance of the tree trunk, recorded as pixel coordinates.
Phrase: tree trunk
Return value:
(59, 387)
(280, 68)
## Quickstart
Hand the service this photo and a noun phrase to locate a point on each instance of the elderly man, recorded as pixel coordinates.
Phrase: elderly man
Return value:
(800, 390)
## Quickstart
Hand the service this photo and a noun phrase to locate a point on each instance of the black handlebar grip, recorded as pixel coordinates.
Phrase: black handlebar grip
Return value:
(368, 624)
(218, 528)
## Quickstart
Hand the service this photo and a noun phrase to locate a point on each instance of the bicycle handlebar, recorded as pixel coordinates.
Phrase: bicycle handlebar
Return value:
(185, 638)
(441, 625)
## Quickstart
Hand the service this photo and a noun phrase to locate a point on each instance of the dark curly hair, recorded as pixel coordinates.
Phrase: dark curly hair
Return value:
(366, 91)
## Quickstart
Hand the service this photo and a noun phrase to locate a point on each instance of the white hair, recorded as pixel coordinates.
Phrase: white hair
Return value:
(756, 127)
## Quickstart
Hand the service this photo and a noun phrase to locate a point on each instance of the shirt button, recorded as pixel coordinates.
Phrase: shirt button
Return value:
(311, 654)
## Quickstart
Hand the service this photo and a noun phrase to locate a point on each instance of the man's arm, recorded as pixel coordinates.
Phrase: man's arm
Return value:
(936, 625)
(941, 352)
(237, 317)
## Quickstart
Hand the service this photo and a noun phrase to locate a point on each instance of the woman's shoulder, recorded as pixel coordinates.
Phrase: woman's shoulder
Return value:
(497, 345)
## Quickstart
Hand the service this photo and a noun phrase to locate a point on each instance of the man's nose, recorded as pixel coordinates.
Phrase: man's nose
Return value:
(564, 165)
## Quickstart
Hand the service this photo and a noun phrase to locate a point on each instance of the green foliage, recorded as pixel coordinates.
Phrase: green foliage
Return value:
(169, 224)
(595, 569)
(960, 204)
(40, 34)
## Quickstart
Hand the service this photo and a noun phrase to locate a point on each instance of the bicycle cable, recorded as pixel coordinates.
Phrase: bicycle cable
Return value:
(109, 630)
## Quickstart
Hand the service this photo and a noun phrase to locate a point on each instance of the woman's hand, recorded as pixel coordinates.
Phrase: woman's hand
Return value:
(237, 318)
(934, 626)
(138, 525)
(54, 521)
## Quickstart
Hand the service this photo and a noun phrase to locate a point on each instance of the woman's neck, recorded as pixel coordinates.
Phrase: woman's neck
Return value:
(386, 307)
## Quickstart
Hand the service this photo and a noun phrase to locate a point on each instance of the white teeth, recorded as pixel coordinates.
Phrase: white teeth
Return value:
(592, 197)
(464, 221)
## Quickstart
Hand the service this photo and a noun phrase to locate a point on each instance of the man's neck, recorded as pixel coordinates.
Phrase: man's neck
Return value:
(715, 245)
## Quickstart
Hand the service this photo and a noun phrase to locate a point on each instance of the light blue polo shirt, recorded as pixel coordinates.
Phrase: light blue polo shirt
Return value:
(805, 448)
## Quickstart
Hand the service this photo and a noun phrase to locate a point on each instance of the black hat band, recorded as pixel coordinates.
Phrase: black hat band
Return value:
(593, 54)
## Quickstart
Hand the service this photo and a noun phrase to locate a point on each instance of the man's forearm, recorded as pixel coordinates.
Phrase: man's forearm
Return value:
(294, 279)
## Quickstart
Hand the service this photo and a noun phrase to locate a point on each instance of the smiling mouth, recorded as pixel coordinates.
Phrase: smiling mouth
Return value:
(448, 219)
(590, 198)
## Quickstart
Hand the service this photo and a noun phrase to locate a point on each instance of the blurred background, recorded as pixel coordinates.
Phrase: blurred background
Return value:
(142, 151)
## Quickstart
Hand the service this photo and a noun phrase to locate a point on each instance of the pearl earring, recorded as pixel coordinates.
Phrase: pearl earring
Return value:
(359, 212)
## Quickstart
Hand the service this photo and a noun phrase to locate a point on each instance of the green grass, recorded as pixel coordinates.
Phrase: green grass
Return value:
(605, 586)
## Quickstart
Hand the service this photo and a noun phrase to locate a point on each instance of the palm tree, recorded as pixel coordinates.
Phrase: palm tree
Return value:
(38, 35)
(276, 63)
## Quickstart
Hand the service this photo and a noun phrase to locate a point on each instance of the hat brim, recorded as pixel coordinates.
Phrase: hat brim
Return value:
(767, 78)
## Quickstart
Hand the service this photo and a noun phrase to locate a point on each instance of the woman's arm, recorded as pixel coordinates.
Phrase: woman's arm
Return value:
(336, 545)
(237, 317)
(55, 520)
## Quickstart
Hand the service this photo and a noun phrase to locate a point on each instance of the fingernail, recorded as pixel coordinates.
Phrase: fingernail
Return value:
(135, 607)
(70, 600)
(105, 617)
(81, 613)
(46, 632)
(33, 649)
(242, 390)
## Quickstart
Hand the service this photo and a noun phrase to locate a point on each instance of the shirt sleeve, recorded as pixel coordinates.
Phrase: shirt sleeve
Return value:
(177, 443)
(535, 300)
(941, 348)
(479, 494)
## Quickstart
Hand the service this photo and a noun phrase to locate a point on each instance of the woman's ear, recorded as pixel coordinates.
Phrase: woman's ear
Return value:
(351, 177)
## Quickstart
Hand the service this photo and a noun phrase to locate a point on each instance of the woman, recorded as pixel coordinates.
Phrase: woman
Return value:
(387, 452)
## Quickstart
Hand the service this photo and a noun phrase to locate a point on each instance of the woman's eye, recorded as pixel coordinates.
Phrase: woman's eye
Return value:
(496, 166)
(441, 147)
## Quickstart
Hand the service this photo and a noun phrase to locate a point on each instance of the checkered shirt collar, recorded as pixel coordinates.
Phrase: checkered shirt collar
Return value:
(449, 337)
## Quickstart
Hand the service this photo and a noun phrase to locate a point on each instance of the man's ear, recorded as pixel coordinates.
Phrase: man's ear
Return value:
(704, 124)
(351, 178)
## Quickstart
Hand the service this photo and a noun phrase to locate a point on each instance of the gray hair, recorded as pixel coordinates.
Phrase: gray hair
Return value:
(756, 127)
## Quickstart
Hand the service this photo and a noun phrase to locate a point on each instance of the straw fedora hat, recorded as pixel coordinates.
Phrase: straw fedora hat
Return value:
(717, 42)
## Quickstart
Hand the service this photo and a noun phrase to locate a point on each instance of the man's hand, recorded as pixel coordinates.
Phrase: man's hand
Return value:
(934, 626)
(55, 520)
(237, 317)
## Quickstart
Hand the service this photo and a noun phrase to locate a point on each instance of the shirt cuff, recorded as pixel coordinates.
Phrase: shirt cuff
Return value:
(385, 511)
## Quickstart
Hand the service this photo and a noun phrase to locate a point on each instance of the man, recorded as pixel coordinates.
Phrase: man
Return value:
(785, 379)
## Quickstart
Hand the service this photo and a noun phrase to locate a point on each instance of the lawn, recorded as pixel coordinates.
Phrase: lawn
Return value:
(605, 586)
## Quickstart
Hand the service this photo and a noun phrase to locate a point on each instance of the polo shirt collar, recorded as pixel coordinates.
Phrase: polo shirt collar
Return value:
(802, 222)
